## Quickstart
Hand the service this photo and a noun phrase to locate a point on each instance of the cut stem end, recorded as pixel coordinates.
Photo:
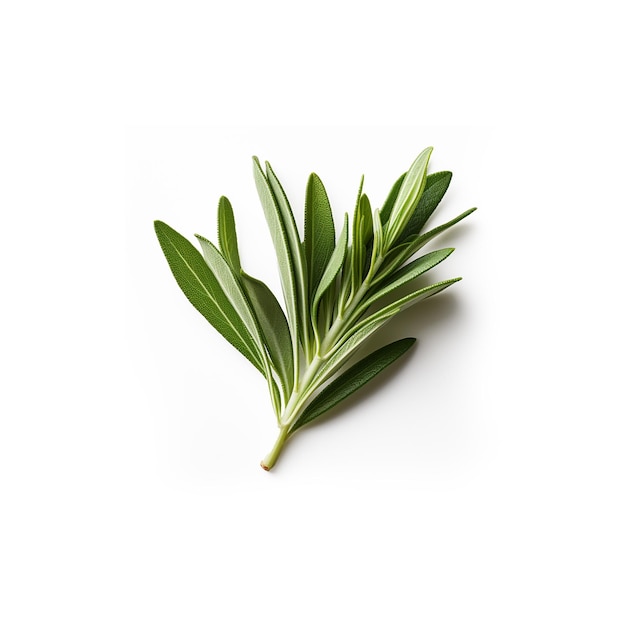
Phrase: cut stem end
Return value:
(268, 462)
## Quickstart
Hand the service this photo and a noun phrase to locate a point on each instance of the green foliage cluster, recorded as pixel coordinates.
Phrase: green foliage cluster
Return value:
(338, 289)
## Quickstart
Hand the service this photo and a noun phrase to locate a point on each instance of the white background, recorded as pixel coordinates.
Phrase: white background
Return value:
(482, 482)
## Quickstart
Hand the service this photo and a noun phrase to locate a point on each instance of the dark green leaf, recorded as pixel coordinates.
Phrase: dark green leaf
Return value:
(319, 231)
(227, 235)
(436, 186)
(353, 379)
(203, 290)
(407, 273)
(273, 326)
(334, 265)
(385, 210)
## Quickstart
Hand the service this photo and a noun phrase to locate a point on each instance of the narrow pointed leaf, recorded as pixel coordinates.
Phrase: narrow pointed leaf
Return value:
(436, 186)
(273, 326)
(232, 289)
(226, 233)
(415, 243)
(334, 265)
(353, 379)
(296, 254)
(385, 210)
(407, 273)
(362, 229)
(408, 197)
(368, 326)
(280, 238)
(202, 289)
(319, 231)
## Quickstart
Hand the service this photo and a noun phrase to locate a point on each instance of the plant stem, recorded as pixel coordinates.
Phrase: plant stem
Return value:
(268, 462)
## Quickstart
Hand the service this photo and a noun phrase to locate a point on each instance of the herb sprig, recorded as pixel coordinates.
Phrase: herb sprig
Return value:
(333, 287)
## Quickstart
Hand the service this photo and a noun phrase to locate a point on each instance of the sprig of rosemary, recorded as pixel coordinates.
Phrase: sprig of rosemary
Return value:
(332, 287)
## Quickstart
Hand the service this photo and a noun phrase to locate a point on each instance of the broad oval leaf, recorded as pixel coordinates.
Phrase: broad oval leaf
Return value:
(203, 290)
(353, 379)
(319, 231)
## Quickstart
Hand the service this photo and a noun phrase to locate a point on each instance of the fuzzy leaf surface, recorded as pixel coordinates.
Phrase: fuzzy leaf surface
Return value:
(203, 290)
(227, 234)
(407, 273)
(319, 231)
(295, 253)
(286, 262)
(274, 327)
(408, 197)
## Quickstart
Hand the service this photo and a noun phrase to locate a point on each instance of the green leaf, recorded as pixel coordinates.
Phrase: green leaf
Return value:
(408, 197)
(405, 274)
(415, 243)
(274, 328)
(295, 252)
(436, 186)
(319, 231)
(202, 289)
(232, 289)
(284, 255)
(385, 210)
(226, 233)
(362, 230)
(359, 332)
(353, 379)
(332, 269)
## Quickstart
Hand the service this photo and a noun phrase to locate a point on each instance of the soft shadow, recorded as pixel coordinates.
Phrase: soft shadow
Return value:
(427, 317)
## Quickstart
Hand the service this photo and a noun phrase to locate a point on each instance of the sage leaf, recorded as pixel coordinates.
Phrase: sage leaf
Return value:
(436, 186)
(408, 197)
(202, 289)
(319, 231)
(353, 379)
(274, 328)
(226, 233)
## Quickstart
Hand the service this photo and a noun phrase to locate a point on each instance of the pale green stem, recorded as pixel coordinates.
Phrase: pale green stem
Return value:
(268, 462)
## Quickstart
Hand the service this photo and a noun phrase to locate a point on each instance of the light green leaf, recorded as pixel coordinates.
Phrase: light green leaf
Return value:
(295, 252)
(274, 328)
(286, 262)
(227, 235)
(405, 274)
(385, 210)
(353, 379)
(436, 186)
(415, 243)
(408, 197)
(232, 289)
(202, 289)
(319, 231)
(359, 332)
